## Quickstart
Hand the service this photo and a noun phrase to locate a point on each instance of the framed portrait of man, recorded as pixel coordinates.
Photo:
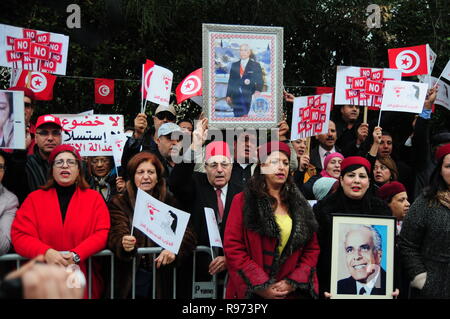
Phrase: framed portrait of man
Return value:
(242, 75)
(362, 257)
(12, 120)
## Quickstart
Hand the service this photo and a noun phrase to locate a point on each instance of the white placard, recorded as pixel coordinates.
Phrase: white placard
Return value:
(91, 134)
(213, 229)
(12, 120)
(160, 85)
(443, 93)
(163, 224)
(34, 50)
(446, 72)
(362, 86)
(310, 115)
(404, 96)
(118, 142)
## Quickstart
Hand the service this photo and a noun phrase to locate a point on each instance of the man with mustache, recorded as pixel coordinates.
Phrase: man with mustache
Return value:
(327, 145)
(363, 253)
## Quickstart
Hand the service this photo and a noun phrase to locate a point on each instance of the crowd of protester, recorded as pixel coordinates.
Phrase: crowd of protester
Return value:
(62, 209)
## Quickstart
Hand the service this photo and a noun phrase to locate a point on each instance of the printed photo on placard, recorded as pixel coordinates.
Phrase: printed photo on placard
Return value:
(242, 75)
(12, 120)
(362, 264)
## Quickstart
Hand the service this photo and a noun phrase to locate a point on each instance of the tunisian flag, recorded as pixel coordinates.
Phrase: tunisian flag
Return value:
(104, 91)
(39, 82)
(190, 86)
(411, 60)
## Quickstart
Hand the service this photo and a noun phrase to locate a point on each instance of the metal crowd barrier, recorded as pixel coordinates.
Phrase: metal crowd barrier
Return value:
(141, 251)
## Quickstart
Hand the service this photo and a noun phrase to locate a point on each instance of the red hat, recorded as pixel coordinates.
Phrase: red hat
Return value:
(217, 148)
(265, 149)
(26, 91)
(442, 151)
(63, 148)
(355, 160)
(389, 190)
(44, 119)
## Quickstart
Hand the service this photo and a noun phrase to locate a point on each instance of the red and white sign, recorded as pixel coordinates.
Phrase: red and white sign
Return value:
(190, 86)
(40, 83)
(310, 115)
(411, 60)
(157, 83)
(404, 96)
(38, 45)
(91, 134)
(163, 224)
(117, 142)
(362, 85)
(104, 91)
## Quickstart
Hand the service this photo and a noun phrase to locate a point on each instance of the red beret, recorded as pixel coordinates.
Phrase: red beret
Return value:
(265, 149)
(217, 148)
(442, 151)
(26, 91)
(355, 160)
(390, 189)
(63, 148)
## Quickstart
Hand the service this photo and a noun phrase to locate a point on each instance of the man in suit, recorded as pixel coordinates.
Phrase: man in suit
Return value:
(196, 190)
(327, 145)
(363, 253)
(245, 80)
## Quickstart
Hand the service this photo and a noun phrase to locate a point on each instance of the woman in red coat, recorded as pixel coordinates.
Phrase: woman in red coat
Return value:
(270, 242)
(65, 215)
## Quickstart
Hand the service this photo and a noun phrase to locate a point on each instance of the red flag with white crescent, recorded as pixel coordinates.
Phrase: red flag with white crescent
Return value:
(40, 83)
(104, 91)
(147, 71)
(411, 60)
(190, 86)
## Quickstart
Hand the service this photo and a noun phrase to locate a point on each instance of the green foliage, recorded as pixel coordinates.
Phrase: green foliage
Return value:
(116, 37)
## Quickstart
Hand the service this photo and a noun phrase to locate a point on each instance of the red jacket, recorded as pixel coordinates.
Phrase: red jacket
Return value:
(251, 241)
(38, 227)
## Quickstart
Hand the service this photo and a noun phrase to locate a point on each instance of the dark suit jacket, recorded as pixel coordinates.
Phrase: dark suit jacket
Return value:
(347, 286)
(195, 193)
(241, 89)
(314, 157)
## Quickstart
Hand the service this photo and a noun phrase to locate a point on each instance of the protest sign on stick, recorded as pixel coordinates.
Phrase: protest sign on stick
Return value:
(163, 224)
(362, 86)
(33, 50)
(310, 116)
(403, 96)
(91, 134)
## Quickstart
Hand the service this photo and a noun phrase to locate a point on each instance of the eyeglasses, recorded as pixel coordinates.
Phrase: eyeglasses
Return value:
(100, 161)
(28, 104)
(60, 163)
(214, 165)
(46, 133)
(2, 167)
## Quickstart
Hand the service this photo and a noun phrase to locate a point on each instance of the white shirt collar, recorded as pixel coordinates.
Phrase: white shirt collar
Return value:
(244, 62)
(368, 286)
(322, 152)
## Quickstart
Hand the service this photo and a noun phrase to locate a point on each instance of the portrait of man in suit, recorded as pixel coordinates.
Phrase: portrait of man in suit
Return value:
(246, 79)
(363, 254)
